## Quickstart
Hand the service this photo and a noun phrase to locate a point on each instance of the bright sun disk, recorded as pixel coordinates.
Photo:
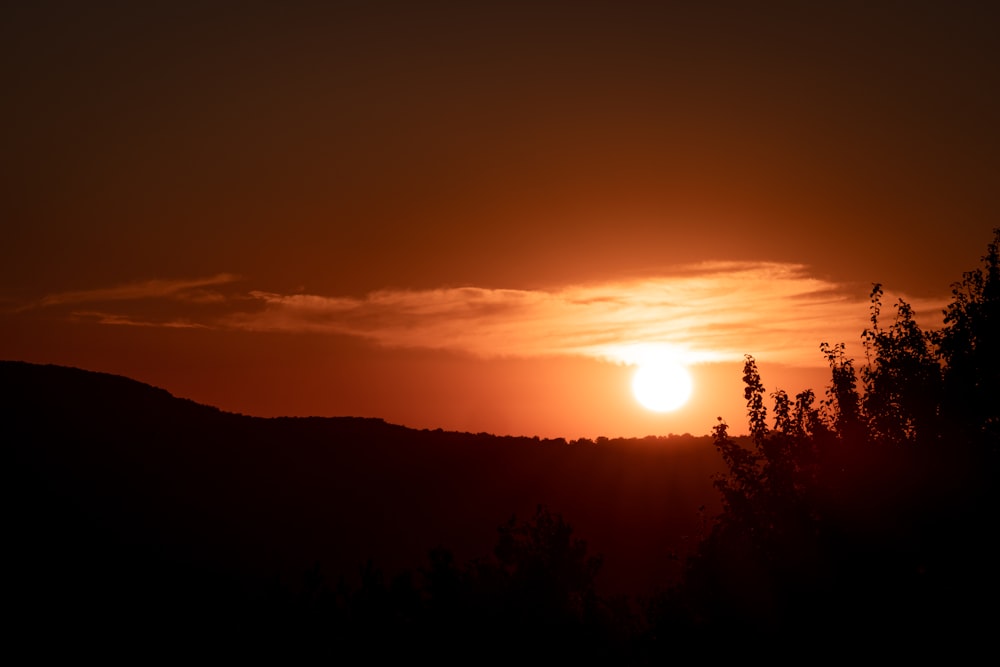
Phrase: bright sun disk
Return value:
(662, 386)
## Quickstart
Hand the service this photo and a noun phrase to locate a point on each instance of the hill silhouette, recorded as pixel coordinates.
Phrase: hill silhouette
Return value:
(125, 497)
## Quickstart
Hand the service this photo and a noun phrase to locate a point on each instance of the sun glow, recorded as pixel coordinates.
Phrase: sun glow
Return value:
(662, 385)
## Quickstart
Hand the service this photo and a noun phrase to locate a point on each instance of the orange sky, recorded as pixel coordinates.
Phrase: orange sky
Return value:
(467, 217)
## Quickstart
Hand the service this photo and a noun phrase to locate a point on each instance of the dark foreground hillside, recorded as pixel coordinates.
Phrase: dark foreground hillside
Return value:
(138, 520)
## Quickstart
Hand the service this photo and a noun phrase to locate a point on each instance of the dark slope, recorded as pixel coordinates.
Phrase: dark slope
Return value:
(119, 489)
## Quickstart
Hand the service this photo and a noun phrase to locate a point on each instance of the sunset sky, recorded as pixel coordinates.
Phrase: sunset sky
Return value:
(479, 216)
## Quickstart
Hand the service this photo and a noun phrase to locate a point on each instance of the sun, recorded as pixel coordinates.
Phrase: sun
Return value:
(661, 385)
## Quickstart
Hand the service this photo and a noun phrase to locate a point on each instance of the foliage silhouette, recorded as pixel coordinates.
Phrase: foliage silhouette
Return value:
(902, 377)
(969, 349)
(843, 403)
(874, 509)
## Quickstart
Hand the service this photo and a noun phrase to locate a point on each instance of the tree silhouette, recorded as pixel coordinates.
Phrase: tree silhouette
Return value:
(843, 403)
(902, 377)
(838, 519)
(969, 347)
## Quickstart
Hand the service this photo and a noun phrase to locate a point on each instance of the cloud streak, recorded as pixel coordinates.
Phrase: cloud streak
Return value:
(192, 290)
(707, 312)
(699, 313)
(127, 320)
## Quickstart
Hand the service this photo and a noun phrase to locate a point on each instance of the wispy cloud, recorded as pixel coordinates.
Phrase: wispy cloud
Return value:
(127, 320)
(707, 312)
(192, 290)
(699, 313)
